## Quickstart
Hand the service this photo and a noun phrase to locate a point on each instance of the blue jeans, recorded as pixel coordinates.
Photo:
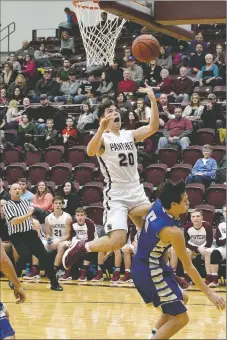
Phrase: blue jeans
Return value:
(205, 180)
(183, 143)
(61, 98)
(40, 127)
(79, 99)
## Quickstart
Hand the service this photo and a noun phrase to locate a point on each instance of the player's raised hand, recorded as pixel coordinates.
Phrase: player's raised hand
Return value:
(105, 121)
(217, 300)
(148, 90)
(19, 294)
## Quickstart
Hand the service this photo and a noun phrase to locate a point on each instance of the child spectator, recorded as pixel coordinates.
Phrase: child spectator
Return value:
(86, 119)
(69, 134)
(204, 170)
(48, 135)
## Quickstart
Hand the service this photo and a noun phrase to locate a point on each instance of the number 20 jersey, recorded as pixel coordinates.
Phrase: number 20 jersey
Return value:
(118, 163)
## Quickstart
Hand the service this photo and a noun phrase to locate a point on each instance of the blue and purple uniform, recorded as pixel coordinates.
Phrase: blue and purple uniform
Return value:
(153, 278)
(6, 329)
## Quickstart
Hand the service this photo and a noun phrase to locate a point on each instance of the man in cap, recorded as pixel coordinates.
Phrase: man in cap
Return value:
(135, 70)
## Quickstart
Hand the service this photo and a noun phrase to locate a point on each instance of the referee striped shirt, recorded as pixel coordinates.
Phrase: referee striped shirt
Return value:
(16, 209)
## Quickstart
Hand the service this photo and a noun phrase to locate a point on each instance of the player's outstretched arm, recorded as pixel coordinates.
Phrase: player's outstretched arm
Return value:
(176, 238)
(8, 270)
(146, 131)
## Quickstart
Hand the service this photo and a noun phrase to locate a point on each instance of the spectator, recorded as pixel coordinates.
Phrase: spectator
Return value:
(127, 54)
(198, 59)
(115, 74)
(84, 230)
(71, 20)
(67, 44)
(164, 59)
(209, 72)
(25, 193)
(26, 49)
(4, 194)
(181, 58)
(29, 67)
(17, 95)
(43, 112)
(216, 255)
(12, 115)
(9, 74)
(221, 171)
(46, 86)
(193, 112)
(42, 202)
(122, 104)
(198, 236)
(204, 170)
(144, 151)
(19, 82)
(71, 198)
(176, 132)
(142, 111)
(87, 119)
(106, 86)
(69, 134)
(92, 98)
(166, 110)
(27, 109)
(131, 121)
(3, 96)
(48, 135)
(220, 61)
(164, 86)
(199, 39)
(63, 72)
(182, 86)
(25, 133)
(135, 70)
(212, 116)
(127, 85)
(14, 62)
(43, 58)
(152, 73)
(68, 88)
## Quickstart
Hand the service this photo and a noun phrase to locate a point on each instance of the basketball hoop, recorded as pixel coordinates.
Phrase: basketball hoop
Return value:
(99, 37)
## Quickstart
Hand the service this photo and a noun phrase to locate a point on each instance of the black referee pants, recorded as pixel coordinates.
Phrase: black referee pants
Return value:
(27, 244)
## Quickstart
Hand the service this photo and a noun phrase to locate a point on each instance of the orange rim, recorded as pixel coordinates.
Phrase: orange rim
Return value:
(137, 2)
(78, 4)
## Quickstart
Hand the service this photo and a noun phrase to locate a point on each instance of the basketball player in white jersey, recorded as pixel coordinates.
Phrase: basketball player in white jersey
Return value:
(58, 230)
(123, 195)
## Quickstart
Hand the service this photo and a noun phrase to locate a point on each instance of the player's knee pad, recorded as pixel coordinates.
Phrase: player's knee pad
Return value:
(215, 257)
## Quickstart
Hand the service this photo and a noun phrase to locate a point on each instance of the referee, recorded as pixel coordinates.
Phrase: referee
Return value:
(26, 241)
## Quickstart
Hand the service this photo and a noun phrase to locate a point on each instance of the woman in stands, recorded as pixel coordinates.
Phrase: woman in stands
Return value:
(193, 112)
(42, 57)
(17, 95)
(131, 121)
(67, 44)
(42, 202)
(9, 74)
(71, 198)
(19, 82)
(15, 62)
(142, 111)
(152, 73)
(87, 119)
(209, 72)
(220, 61)
(106, 86)
(164, 59)
(29, 70)
(123, 105)
(3, 97)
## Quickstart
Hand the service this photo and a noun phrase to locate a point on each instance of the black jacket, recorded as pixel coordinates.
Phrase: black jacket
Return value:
(72, 202)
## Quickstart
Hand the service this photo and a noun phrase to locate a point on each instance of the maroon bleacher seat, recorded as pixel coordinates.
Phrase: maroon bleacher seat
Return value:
(208, 212)
(192, 154)
(92, 193)
(10, 135)
(32, 157)
(220, 92)
(14, 172)
(168, 156)
(180, 172)
(76, 155)
(54, 154)
(203, 91)
(155, 173)
(205, 136)
(10, 156)
(83, 173)
(38, 172)
(95, 213)
(86, 136)
(93, 160)
(148, 188)
(60, 173)
(218, 152)
(216, 195)
(195, 193)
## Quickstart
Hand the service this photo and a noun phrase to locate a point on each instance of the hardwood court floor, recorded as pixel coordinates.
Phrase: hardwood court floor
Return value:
(101, 312)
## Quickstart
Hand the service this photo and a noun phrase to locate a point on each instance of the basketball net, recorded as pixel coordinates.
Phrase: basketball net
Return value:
(99, 38)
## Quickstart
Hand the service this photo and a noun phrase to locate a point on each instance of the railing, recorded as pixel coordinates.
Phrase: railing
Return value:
(10, 29)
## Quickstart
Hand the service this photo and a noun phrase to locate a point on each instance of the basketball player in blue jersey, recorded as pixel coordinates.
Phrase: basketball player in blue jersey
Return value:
(6, 331)
(153, 278)
(123, 194)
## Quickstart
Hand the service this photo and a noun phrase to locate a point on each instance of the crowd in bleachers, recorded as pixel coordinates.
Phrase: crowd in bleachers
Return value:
(48, 114)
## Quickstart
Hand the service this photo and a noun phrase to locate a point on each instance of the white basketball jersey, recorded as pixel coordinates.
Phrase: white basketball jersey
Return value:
(222, 228)
(57, 224)
(119, 163)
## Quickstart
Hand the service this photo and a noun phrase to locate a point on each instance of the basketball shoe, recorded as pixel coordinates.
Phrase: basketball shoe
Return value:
(182, 282)
(34, 274)
(127, 278)
(98, 277)
(208, 279)
(72, 254)
(83, 275)
(67, 276)
(214, 281)
(116, 276)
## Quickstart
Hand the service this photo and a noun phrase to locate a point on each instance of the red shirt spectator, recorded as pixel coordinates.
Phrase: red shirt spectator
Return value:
(183, 84)
(29, 68)
(178, 126)
(127, 85)
(69, 133)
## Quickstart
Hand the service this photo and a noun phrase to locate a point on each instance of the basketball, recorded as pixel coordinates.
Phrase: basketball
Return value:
(145, 48)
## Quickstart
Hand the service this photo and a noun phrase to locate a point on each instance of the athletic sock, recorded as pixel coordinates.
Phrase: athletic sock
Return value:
(154, 330)
(87, 247)
(117, 269)
(127, 270)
